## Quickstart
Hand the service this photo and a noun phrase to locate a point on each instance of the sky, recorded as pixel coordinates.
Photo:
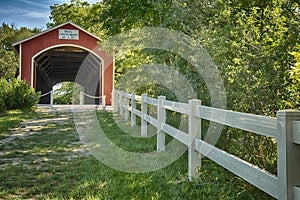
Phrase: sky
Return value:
(28, 13)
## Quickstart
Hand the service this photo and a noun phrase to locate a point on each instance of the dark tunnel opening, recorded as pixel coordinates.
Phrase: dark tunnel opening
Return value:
(68, 64)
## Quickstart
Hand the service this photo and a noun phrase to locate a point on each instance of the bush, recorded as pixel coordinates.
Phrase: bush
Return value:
(2, 106)
(3, 92)
(17, 94)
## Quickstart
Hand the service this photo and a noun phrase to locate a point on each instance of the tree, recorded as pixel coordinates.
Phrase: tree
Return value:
(8, 64)
(9, 34)
(118, 16)
(250, 41)
(81, 13)
(77, 11)
(295, 71)
(67, 93)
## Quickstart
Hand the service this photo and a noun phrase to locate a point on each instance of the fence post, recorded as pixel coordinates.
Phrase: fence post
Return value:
(104, 102)
(115, 100)
(121, 103)
(133, 107)
(194, 129)
(288, 155)
(80, 97)
(51, 97)
(144, 112)
(126, 106)
(161, 119)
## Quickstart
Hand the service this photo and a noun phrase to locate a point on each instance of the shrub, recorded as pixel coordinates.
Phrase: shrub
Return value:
(3, 92)
(16, 94)
(2, 106)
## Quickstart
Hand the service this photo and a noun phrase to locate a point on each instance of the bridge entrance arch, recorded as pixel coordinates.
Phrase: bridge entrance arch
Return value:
(66, 52)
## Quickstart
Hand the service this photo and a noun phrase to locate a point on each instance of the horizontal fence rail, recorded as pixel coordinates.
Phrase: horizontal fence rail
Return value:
(81, 98)
(182, 108)
(254, 175)
(82, 94)
(285, 129)
(262, 125)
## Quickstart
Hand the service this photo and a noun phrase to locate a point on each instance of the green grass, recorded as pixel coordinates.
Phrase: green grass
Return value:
(45, 165)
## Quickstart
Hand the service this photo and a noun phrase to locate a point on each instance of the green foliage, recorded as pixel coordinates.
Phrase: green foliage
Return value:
(9, 34)
(250, 41)
(81, 13)
(8, 64)
(119, 16)
(16, 94)
(76, 11)
(67, 93)
(3, 94)
(295, 71)
(2, 106)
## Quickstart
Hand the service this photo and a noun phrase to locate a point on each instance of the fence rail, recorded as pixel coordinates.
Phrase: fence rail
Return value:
(262, 125)
(285, 128)
(81, 97)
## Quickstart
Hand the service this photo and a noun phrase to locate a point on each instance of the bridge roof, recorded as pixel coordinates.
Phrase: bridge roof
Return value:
(53, 28)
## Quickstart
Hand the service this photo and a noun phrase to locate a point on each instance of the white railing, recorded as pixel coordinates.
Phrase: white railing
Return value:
(51, 96)
(82, 94)
(285, 128)
(81, 101)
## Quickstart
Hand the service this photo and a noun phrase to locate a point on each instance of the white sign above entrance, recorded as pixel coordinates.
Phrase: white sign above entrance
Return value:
(68, 34)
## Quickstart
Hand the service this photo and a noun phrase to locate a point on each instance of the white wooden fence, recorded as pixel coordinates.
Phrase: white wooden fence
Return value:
(285, 128)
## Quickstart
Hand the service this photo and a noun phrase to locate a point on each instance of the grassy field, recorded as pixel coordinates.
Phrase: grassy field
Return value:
(41, 157)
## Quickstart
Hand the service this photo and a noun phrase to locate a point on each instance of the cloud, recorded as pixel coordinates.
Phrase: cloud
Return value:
(37, 15)
(42, 5)
(25, 13)
(6, 11)
(29, 13)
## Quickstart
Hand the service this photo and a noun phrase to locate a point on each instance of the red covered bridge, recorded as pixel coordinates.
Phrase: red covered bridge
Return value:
(66, 52)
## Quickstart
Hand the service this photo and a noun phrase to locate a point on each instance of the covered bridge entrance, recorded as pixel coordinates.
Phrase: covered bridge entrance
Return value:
(66, 53)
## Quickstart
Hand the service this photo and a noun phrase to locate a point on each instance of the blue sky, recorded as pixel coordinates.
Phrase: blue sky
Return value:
(28, 13)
